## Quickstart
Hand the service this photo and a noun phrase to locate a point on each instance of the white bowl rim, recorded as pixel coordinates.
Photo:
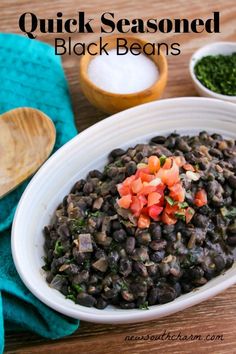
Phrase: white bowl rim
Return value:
(127, 316)
(192, 63)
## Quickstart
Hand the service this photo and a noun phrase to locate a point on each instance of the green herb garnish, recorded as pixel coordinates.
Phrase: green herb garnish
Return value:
(86, 264)
(118, 164)
(144, 306)
(124, 286)
(162, 159)
(183, 205)
(180, 215)
(78, 288)
(95, 213)
(71, 297)
(77, 225)
(58, 249)
(169, 200)
(218, 73)
(228, 213)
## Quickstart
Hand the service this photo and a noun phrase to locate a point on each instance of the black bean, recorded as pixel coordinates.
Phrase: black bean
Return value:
(200, 220)
(116, 153)
(157, 256)
(101, 303)
(158, 245)
(131, 168)
(125, 267)
(143, 238)
(202, 165)
(130, 245)
(177, 289)
(219, 263)
(140, 269)
(216, 153)
(85, 300)
(196, 273)
(113, 258)
(116, 225)
(140, 254)
(78, 186)
(88, 188)
(119, 235)
(170, 142)
(182, 145)
(155, 230)
(152, 297)
(165, 294)
(127, 305)
(232, 228)
(95, 174)
(159, 139)
(231, 240)
(232, 181)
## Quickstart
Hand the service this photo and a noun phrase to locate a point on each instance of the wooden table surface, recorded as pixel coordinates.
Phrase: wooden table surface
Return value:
(213, 317)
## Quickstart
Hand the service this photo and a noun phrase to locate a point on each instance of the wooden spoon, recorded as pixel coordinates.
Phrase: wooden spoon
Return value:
(27, 137)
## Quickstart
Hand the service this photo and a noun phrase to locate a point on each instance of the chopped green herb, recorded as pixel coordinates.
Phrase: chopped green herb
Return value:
(118, 164)
(144, 306)
(228, 213)
(95, 213)
(124, 286)
(218, 73)
(162, 159)
(183, 205)
(86, 264)
(77, 225)
(78, 288)
(71, 297)
(180, 215)
(114, 268)
(58, 249)
(169, 200)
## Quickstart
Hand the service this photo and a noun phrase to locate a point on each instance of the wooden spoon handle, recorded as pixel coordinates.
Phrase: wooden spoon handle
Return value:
(27, 137)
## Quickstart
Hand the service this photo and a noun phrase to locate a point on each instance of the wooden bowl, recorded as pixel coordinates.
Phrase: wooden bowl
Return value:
(114, 102)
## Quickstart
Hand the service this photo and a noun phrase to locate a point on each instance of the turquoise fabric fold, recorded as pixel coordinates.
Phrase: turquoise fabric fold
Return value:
(31, 75)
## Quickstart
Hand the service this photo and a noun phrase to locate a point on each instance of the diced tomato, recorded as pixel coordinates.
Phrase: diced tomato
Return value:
(147, 190)
(123, 190)
(153, 164)
(153, 198)
(136, 185)
(143, 170)
(143, 221)
(170, 176)
(177, 192)
(188, 167)
(136, 206)
(146, 177)
(168, 164)
(154, 211)
(128, 181)
(200, 198)
(167, 219)
(171, 209)
(143, 200)
(189, 214)
(125, 201)
(179, 160)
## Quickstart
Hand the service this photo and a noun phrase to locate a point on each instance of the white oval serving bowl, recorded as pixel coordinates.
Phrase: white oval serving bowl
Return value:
(88, 151)
(224, 48)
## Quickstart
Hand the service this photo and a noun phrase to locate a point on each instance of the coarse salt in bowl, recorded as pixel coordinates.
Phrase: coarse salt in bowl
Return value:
(150, 89)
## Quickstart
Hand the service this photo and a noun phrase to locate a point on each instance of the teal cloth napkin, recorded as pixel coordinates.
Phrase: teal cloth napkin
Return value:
(31, 75)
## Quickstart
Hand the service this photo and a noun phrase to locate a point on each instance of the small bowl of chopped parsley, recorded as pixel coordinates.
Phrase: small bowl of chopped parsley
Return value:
(213, 70)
